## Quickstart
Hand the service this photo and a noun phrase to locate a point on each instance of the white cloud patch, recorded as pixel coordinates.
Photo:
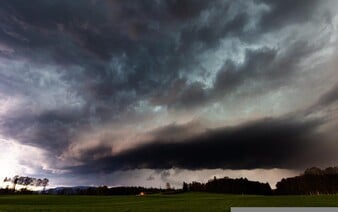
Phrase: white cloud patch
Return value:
(24, 160)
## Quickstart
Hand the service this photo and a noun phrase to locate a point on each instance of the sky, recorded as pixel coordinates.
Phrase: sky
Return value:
(120, 92)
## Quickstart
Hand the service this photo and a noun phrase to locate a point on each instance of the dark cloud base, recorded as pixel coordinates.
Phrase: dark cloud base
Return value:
(267, 143)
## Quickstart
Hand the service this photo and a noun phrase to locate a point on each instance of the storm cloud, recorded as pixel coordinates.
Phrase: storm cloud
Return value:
(267, 143)
(103, 86)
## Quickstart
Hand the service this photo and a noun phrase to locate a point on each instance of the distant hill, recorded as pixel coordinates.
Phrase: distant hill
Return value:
(66, 190)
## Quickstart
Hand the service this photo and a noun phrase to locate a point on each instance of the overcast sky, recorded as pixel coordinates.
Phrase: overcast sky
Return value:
(147, 92)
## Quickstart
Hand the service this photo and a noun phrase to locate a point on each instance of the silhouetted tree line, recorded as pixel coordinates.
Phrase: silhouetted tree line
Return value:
(230, 186)
(27, 181)
(11, 191)
(104, 190)
(312, 181)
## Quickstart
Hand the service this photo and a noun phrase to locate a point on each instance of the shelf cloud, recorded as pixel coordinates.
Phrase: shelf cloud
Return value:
(104, 87)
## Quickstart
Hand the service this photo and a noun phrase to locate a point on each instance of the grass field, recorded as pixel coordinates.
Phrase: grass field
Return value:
(177, 202)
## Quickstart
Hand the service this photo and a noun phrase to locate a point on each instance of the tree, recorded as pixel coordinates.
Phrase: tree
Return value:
(44, 183)
(312, 181)
(168, 186)
(15, 181)
(185, 187)
(313, 171)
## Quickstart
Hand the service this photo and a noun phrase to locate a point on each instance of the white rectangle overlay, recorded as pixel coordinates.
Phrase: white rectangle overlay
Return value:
(284, 209)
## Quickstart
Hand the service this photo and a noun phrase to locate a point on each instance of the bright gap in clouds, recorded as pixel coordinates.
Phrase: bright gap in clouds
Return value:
(18, 159)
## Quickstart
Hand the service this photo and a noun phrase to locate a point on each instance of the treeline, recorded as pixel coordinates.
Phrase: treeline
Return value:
(230, 186)
(12, 191)
(224, 185)
(312, 181)
(104, 190)
(27, 181)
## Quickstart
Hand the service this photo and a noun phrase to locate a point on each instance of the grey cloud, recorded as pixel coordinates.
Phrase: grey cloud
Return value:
(193, 95)
(329, 97)
(176, 131)
(51, 130)
(284, 13)
(324, 101)
(165, 174)
(210, 35)
(88, 35)
(275, 66)
(272, 67)
(150, 178)
(256, 63)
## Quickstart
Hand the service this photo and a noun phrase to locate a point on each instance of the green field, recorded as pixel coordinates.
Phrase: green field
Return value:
(176, 202)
